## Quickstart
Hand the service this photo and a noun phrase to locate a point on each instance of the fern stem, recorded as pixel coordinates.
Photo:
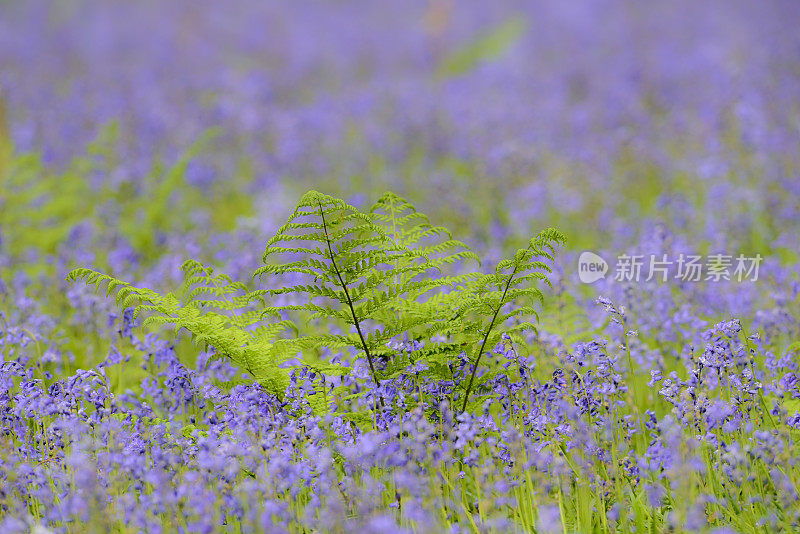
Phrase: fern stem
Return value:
(349, 301)
(486, 336)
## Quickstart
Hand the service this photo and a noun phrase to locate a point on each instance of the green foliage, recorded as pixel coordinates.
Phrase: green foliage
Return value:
(485, 48)
(223, 319)
(513, 280)
(6, 144)
(41, 206)
(379, 274)
(371, 267)
(166, 190)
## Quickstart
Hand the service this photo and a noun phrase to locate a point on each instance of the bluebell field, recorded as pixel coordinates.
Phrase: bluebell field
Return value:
(403, 266)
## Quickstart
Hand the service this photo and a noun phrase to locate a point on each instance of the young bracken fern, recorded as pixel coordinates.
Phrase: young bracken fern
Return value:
(512, 280)
(425, 251)
(368, 270)
(341, 248)
(217, 312)
(380, 274)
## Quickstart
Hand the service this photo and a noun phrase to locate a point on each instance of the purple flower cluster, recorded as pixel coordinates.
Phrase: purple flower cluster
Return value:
(593, 97)
(655, 130)
(182, 452)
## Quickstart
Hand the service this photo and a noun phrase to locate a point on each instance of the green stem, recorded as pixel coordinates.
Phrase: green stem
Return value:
(349, 302)
(486, 336)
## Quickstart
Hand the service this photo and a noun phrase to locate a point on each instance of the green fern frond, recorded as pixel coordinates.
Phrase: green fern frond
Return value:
(488, 294)
(367, 277)
(258, 351)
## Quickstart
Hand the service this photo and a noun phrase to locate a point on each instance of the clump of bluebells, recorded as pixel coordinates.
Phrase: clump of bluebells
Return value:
(558, 443)
(674, 404)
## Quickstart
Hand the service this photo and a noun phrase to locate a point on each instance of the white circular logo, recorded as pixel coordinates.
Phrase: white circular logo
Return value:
(591, 267)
